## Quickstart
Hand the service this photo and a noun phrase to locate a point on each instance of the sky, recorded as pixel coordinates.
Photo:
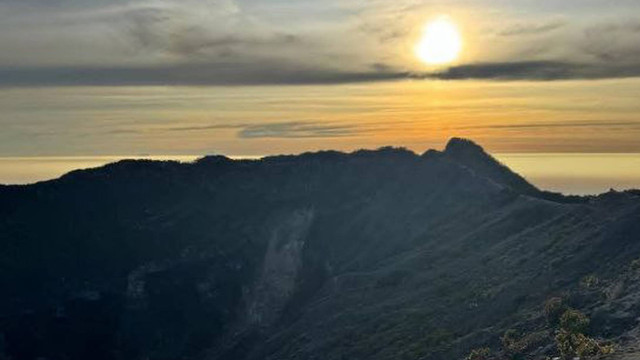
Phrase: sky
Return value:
(257, 77)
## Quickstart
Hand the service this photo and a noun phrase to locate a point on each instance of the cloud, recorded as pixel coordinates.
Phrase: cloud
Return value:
(613, 42)
(539, 70)
(297, 130)
(206, 127)
(259, 42)
(384, 32)
(562, 124)
(532, 29)
(242, 74)
(204, 74)
(284, 129)
(181, 33)
(177, 129)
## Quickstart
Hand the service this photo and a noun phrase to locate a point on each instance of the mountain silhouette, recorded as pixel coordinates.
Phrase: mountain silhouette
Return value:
(375, 254)
(473, 156)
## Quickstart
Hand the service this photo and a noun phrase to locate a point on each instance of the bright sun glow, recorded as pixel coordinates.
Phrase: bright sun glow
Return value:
(441, 42)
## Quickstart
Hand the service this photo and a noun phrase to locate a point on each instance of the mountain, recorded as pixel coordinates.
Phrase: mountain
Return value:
(379, 254)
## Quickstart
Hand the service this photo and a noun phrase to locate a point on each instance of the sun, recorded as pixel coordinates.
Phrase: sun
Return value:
(441, 42)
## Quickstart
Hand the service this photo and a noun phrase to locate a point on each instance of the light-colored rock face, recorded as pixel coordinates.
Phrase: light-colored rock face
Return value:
(282, 262)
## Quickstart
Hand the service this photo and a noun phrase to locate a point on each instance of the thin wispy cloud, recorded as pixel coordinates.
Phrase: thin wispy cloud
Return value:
(282, 129)
(560, 124)
(532, 29)
(298, 130)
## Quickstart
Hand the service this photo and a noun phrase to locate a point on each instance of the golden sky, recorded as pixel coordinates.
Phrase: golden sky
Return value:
(513, 116)
(256, 77)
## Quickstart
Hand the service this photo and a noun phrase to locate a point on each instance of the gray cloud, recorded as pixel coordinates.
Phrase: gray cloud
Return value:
(532, 29)
(221, 73)
(206, 127)
(228, 43)
(284, 129)
(616, 42)
(238, 74)
(297, 130)
(168, 31)
(384, 33)
(539, 70)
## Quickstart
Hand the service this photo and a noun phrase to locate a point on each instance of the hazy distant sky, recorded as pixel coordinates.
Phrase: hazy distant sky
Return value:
(244, 77)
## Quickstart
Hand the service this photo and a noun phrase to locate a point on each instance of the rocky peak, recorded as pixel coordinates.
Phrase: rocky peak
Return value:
(473, 156)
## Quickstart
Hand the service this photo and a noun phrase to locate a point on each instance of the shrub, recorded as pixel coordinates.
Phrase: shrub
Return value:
(515, 346)
(553, 309)
(574, 321)
(509, 340)
(579, 345)
(479, 354)
(571, 340)
(589, 282)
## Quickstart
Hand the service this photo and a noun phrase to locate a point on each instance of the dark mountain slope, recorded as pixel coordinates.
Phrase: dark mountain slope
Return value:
(371, 255)
(469, 154)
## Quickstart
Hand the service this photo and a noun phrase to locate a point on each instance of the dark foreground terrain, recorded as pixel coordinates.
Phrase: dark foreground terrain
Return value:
(370, 255)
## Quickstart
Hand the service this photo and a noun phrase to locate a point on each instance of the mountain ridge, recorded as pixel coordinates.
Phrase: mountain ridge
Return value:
(462, 151)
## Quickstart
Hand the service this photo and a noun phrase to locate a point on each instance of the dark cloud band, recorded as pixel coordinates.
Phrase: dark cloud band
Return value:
(229, 74)
(190, 75)
(539, 70)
